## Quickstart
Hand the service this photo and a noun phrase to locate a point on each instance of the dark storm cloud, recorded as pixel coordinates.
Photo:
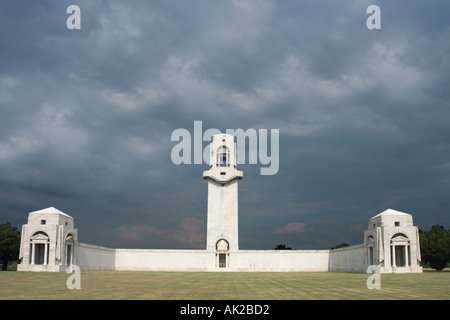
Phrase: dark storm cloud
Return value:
(86, 115)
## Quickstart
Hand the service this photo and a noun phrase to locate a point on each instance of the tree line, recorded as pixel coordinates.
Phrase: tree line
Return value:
(9, 244)
(435, 247)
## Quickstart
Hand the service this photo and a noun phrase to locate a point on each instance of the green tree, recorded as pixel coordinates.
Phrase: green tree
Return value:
(9, 244)
(282, 246)
(342, 245)
(435, 247)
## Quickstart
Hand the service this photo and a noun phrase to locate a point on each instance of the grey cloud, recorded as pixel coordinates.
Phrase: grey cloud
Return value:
(86, 116)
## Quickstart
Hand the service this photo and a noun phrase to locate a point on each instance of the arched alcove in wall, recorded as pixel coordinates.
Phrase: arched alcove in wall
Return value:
(400, 250)
(39, 248)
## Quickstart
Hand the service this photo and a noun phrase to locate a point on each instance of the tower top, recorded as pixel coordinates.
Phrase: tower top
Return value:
(391, 218)
(51, 210)
(391, 212)
(222, 160)
(50, 216)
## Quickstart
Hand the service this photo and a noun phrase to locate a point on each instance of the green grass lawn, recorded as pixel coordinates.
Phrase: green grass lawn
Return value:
(222, 285)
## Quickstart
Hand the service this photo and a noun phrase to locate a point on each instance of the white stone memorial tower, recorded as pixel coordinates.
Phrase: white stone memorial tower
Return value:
(222, 218)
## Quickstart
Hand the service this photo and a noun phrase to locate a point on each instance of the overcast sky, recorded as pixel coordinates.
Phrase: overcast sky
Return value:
(86, 116)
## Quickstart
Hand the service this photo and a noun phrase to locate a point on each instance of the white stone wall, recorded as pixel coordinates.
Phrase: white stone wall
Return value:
(280, 260)
(349, 259)
(201, 260)
(90, 257)
(163, 260)
(100, 258)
